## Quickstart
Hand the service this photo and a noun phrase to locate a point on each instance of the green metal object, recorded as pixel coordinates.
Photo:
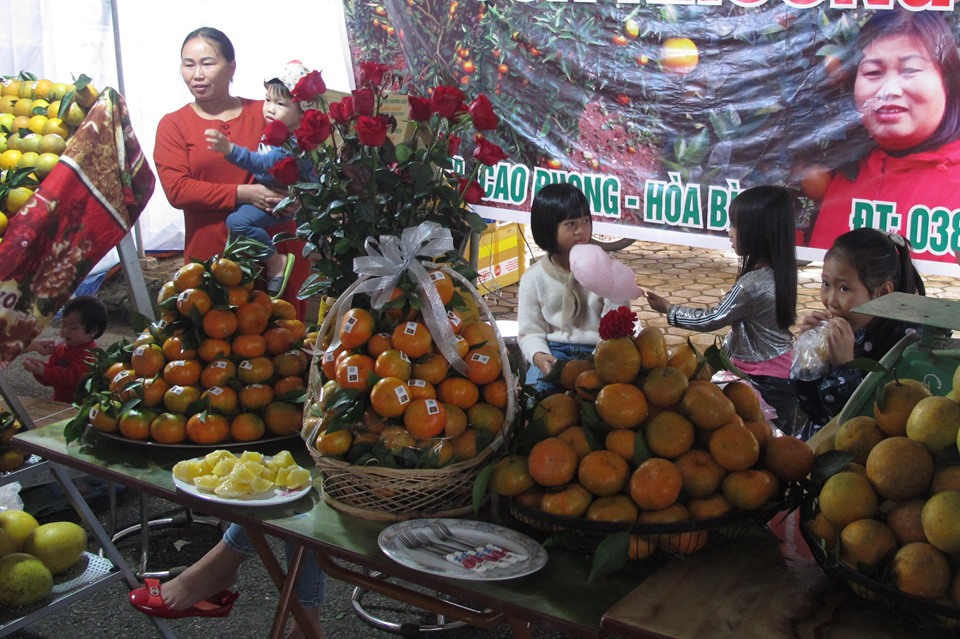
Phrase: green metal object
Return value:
(936, 317)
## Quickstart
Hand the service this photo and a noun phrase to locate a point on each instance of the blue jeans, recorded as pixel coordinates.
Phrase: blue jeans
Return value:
(249, 221)
(560, 351)
(311, 583)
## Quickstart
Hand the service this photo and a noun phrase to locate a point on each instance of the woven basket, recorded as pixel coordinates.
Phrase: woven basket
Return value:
(389, 494)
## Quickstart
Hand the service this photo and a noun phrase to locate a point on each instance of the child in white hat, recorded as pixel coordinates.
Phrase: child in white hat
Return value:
(248, 220)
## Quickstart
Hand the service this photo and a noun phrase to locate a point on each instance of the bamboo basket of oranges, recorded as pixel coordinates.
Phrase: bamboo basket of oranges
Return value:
(412, 394)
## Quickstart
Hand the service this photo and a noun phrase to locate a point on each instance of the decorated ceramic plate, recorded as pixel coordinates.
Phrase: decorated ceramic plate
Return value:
(475, 550)
(273, 497)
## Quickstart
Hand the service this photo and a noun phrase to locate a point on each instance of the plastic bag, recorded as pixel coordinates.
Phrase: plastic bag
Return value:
(811, 356)
(10, 497)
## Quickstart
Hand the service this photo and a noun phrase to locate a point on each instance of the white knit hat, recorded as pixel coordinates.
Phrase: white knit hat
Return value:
(291, 74)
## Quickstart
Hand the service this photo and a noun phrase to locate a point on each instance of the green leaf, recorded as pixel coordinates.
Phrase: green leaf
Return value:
(719, 361)
(829, 464)
(610, 556)
(480, 486)
(867, 365)
(641, 451)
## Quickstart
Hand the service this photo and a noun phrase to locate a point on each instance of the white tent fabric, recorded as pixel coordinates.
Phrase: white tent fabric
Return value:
(82, 40)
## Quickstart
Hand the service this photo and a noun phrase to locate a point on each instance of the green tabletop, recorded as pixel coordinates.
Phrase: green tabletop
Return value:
(559, 596)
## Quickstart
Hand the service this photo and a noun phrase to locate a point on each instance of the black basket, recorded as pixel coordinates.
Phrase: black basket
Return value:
(677, 538)
(924, 612)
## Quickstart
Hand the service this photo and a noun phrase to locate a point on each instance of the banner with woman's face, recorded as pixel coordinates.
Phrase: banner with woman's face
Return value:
(663, 111)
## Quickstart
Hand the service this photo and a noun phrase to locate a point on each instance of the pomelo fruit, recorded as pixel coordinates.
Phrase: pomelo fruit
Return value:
(18, 524)
(58, 545)
(24, 580)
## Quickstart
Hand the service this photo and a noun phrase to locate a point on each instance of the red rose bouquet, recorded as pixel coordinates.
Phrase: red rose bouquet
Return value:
(367, 185)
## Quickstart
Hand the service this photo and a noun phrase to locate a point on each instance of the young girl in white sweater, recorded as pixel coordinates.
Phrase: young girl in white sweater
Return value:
(558, 318)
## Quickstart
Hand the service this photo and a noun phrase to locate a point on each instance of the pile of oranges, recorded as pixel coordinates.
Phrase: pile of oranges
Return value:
(889, 506)
(391, 397)
(642, 436)
(223, 363)
(37, 117)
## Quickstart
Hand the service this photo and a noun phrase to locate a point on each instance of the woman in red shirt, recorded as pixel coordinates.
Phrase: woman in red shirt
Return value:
(199, 181)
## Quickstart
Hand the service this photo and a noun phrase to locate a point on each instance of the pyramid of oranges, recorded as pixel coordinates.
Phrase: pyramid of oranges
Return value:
(642, 436)
(37, 117)
(223, 363)
(389, 394)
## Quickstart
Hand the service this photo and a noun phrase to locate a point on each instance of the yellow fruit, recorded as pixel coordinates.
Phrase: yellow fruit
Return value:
(941, 521)
(847, 497)
(558, 412)
(921, 570)
(36, 123)
(29, 159)
(858, 436)
(899, 399)
(616, 360)
(679, 55)
(935, 423)
(900, 468)
(24, 580)
(510, 477)
(18, 524)
(17, 197)
(9, 159)
(45, 163)
(52, 143)
(866, 541)
(7, 544)
(55, 126)
(59, 545)
(652, 347)
(622, 405)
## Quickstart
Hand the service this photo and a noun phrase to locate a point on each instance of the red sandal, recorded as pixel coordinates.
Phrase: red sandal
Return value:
(148, 601)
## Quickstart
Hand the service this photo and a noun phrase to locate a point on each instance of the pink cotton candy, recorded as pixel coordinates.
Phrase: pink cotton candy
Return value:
(601, 274)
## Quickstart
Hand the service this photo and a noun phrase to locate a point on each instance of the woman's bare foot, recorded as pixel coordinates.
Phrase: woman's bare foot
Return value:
(215, 571)
(313, 613)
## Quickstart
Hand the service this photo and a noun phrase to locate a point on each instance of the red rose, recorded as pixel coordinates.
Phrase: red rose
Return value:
(309, 87)
(336, 113)
(446, 101)
(314, 130)
(453, 145)
(363, 101)
(372, 73)
(275, 133)
(371, 131)
(487, 152)
(420, 110)
(471, 191)
(481, 111)
(286, 171)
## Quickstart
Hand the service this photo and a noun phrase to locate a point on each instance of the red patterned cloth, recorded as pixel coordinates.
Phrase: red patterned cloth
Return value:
(83, 209)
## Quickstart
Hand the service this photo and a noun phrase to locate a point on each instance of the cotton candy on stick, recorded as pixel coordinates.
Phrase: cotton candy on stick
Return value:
(601, 274)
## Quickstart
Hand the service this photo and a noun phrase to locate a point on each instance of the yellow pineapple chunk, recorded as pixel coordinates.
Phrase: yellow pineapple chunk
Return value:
(206, 483)
(297, 478)
(251, 456)
(260, 485)
(282, 459)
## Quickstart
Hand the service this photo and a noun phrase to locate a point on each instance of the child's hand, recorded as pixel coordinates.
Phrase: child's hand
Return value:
(42, 346)
(544, 361)
(34, 366)
(217, 141)
(840, 340)
(813, 320)
(657, 303)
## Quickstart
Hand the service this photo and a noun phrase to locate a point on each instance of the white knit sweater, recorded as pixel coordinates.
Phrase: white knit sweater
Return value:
(552, 306)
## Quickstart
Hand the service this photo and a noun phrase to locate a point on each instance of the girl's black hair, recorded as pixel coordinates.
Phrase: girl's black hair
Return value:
(764, 219)
(553, 204)
(878, 257)
(217, 38)
(932, 30)
(93, 313)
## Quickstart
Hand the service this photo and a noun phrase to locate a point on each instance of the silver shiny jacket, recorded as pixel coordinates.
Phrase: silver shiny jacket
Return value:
(750, 310)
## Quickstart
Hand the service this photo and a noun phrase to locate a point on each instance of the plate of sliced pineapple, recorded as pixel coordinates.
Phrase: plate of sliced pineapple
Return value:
(249, 479)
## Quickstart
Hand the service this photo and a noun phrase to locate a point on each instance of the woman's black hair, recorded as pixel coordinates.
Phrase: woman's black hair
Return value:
(878, 257)
(93, 313)
(217, 38)
(764, 219)
(933, 31)
(553, 204)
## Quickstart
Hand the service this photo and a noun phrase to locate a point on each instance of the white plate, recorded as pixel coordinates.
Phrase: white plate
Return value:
(274, 497)
(474, 533)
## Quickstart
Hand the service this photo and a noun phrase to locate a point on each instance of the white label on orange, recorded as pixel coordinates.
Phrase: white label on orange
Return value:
(93, 413)
(436, 276)
(402, 395)
(245, 364)
(353, 374)
(454, 319)
(215, 391)
(178, 390)
(410, 328)
(419, 383)
(433, 408)
(349, 323)
(140, 350)
(404, 357)
(220, 363)
(328, 356)
(480, 357)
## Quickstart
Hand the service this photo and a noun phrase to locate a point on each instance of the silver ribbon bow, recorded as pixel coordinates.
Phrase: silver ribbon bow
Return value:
(390, 257)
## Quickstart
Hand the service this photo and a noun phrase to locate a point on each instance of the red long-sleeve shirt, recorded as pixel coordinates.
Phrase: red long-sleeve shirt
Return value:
(65, 367)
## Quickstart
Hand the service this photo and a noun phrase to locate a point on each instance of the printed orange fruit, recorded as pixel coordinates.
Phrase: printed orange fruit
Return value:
(356, 328)
(182, 372)
(252, 318)
(256, 370)
(221, 399)
(226, 272)
(390, 397)
(483, 365)
(458, 391)
(255, 396)
(354, 372)
(393, 363)
(219, 323)
(679, 55)
(218, 373)
(168, 428)
(189, 276)
(424, 418)
(147, 360)
(211, 349)
(194, 299)
(179, 398)
(413, 338)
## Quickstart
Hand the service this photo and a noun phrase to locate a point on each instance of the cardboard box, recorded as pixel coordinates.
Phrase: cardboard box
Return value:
(501, 258)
